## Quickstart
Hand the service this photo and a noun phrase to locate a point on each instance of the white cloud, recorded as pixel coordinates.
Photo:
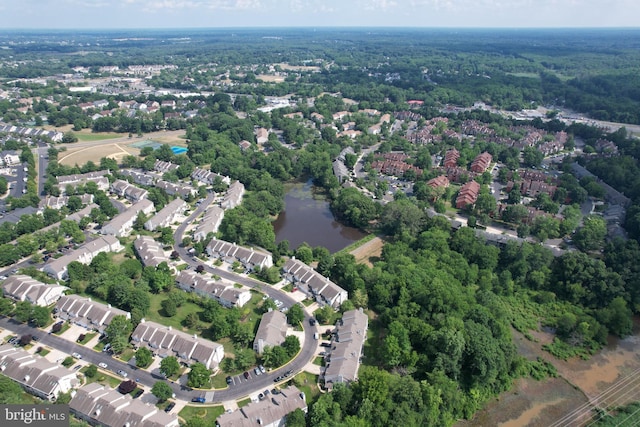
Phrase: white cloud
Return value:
(381, 5)
(198, 4)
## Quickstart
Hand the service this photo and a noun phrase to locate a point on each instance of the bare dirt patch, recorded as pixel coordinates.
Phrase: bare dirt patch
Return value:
(80, 156)
(366, 253)
(299, 67)
(269, 78)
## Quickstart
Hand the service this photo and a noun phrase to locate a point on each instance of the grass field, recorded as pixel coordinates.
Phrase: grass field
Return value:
(175, 322)
(84, 137)
(207, 413)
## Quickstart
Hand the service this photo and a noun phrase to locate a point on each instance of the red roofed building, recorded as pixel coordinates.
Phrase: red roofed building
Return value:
(438, 181)
(481, 162)
(468, 194)
(451, 158)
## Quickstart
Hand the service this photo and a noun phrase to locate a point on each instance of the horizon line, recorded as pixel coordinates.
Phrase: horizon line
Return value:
(324, 27)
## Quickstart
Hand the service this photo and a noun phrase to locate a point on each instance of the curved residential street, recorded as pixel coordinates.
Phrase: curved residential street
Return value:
(264, 381)
(239, 389)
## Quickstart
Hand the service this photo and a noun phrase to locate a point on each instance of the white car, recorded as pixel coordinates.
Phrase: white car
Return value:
(102, 365)
(76, 355)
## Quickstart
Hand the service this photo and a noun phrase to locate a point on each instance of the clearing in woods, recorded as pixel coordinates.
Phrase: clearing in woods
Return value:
(369, 251)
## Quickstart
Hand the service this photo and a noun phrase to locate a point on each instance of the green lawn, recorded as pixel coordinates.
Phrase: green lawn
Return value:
(87, 338)
(65, 327)
(319, 361)
(44, 352)
(127, 355)
(307, 302)
(175, 322)
(307, 383)
(99, 347)
(243, 402)
(288, 287)
(373, 343)
(83, 137)
(207, 413)
(102, 378)
(219, 381)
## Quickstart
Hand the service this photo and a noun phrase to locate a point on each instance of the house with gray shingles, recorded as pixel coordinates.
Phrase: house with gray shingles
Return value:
(233, 196)
(89, 314)
(313, 284)
(98, 178)
(183, 190)
(141, 177)
(209, 223)
(149, 251)
(223, 292)
(24, 288)
(230, 252)
(167, 215)
(57, 267)
(128, 191)
(122, 224)
(53, 202)
(165, 341)
(268, 412)
(271, 332)
(101, 406)
(84, 212)
(343, 361)
(207, 177)
(36, 374)
(162, 167)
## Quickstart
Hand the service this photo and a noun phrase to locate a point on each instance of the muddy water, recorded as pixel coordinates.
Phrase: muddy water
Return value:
(530, 415)
(307, 218)
(608, 379)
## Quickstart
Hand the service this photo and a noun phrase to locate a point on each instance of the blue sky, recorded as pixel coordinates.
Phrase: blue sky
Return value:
(98, 14)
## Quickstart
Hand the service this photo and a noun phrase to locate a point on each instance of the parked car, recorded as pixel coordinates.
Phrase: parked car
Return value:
(76, 355)
(312, 321)
(75, 368)
(277, 379)
(257, 371)
(198, 399)
(122, 373)
(102, 365)
(169, 407)
(229, 380)
(246, 375)
(262, 369)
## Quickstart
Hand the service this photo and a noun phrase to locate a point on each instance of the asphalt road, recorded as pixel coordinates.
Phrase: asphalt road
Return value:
(42, 158)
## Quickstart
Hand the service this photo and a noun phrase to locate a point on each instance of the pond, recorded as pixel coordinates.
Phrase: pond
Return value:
(308, 218)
